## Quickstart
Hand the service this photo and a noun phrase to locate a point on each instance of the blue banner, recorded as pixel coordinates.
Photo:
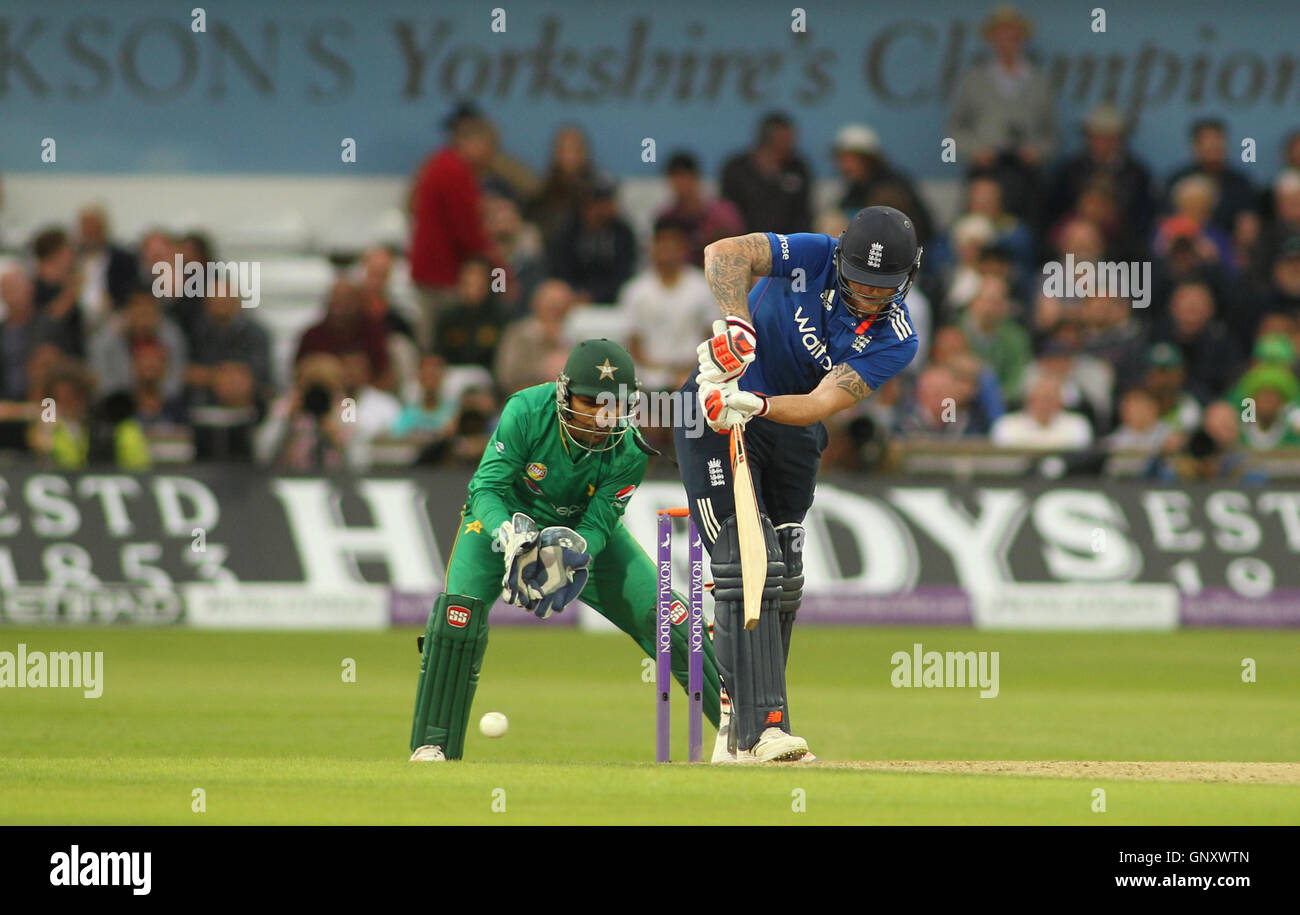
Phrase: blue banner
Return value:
(276, 87)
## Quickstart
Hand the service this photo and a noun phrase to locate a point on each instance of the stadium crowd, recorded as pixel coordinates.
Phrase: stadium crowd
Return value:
(1196, 373)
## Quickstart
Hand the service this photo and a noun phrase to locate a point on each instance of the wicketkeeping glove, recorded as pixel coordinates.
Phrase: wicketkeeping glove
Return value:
(560, 572)
(728, 352)
(725, 405)
(517, 538)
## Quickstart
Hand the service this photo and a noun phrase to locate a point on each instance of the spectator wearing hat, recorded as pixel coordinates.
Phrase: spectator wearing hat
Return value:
(705, 218)
(1003, 114)
(867, 174)
(770, 183)
(957, 260)
(447, 218)
(1105, 161)
(595, 251)
(1232, 190)
(1274, 393)
(1275, 349)
(1164, 382)
(1210, 353)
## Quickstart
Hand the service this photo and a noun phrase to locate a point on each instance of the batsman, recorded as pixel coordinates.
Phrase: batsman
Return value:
(542, 528)
(811, 326)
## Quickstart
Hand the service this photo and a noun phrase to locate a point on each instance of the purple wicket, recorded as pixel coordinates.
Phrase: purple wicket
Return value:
(694, 639)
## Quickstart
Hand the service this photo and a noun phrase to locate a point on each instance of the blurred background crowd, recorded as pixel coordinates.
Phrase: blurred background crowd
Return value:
(416, 345)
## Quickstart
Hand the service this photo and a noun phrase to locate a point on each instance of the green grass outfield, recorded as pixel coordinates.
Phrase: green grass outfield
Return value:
(264, 724)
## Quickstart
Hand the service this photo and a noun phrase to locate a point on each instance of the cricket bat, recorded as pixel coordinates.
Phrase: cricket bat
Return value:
(753, 547)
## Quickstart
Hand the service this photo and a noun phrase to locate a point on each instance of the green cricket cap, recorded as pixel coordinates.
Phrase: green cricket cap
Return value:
(600, 366)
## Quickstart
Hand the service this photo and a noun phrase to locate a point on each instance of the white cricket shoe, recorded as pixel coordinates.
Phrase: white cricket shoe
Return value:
(428, 753)
(775, 745)
(739, 758)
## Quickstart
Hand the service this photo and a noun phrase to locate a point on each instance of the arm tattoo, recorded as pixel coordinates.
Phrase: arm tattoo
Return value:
(848, 380)
(730, 264)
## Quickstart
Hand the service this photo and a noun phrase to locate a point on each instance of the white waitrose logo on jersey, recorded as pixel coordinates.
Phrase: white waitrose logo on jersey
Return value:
(785, 247)
(813, 343)
(877, 251)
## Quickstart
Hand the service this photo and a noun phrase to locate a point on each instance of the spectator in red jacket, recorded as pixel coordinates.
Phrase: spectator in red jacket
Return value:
(447, 218)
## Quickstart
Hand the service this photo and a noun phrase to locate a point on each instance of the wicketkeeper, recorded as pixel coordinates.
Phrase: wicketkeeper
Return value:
(543, 527)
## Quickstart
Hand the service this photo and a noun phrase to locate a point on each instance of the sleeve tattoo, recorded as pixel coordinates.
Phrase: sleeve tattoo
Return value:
(730, 265)
(846, 379)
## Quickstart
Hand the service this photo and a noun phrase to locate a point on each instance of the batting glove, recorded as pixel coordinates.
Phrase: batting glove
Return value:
(728, 352)
(725, 405)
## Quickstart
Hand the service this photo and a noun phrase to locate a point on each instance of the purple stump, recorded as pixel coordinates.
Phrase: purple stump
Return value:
(664, 639)
(695, 636)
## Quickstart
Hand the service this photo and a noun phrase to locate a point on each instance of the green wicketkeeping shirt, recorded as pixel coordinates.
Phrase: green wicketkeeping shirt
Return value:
(531, 466)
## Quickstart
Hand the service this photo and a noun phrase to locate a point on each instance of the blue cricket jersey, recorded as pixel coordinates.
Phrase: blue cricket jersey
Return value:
(802, 335)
